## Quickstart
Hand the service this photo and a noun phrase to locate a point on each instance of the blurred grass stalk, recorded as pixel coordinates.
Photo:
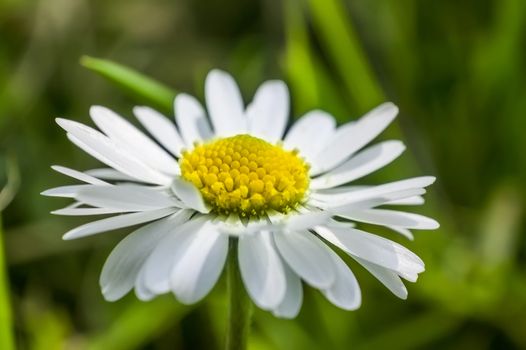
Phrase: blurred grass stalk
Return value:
(7, 341)
(133, 82)
(312, 82)
(298, 62)
(339, 39)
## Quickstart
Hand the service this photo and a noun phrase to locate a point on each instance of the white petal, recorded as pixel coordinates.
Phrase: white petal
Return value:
(125, 197)
(161, 128)
(268, 113)
(307, 256)
(350, 202)
(373, 248)
(127, 258)
(345, 292)
(110, 174)
(351, 137)
(142, 291)
(116, 222)
(79, 175)
(315, 125)
(415, 200)
(305, 221)
(387, 277)
(127, 136)
(65, 191)
(291, 304)
(159, 265)
(200, 264)
(105, 150)
(191, 120)
(86, 211)
(234, 227)
(364, 163)
(403, 231)
(224, 104)
(392, 218)
(344, 195)
(261, 269)
(189, 194)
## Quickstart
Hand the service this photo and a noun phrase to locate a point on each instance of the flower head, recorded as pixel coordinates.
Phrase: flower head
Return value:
(246, 176)
(236, 173)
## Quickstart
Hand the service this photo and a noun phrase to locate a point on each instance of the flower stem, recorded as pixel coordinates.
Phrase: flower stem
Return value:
(240, 306)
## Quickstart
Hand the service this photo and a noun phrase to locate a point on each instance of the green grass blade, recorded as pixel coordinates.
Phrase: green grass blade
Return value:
(139, 85)
(311, 84)
(298, 59)
(341, 43)
(7, 341)
(7, 194)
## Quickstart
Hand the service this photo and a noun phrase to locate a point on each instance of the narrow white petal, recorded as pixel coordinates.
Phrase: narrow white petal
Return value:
(191, 120)
(315, 125)
(291, 304)
(86, 211)
(373, 248)
(350, 202)
(127, 136)
(64, 191)
(224, 104)
(116, 222)
(351, 137)
(403, 231)
(392, 218)
(101, 147)
(161, 128)
(268, 113)
(345, 292)
(387, 277)
(262, 270)
(341, 190)
(125, 197)
(79, 175)
(307, 256)
(200, 264)
(415, 200)
(110, 174)
(123, 264)
(345, 195)
(363, 163)
(189, 194)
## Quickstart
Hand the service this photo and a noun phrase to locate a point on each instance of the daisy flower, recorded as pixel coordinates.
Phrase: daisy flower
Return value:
(235, 174)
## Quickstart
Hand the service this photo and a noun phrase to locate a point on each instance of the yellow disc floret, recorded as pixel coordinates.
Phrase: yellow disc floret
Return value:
(246, 175)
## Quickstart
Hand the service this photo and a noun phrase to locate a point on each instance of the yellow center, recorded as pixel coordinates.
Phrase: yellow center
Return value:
(246, 175)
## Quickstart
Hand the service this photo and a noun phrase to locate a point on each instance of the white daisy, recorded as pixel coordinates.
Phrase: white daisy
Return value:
(237, 173)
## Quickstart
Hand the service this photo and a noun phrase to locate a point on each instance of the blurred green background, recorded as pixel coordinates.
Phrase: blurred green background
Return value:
(456, 69)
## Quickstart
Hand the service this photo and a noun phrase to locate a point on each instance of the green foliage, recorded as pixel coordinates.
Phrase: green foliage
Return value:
(455, 69)
(138, 324)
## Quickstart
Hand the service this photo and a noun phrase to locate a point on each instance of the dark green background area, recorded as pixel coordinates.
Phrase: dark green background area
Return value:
(456, 69)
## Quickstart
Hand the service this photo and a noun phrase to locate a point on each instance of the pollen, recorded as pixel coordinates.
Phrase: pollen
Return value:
(247, 176)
